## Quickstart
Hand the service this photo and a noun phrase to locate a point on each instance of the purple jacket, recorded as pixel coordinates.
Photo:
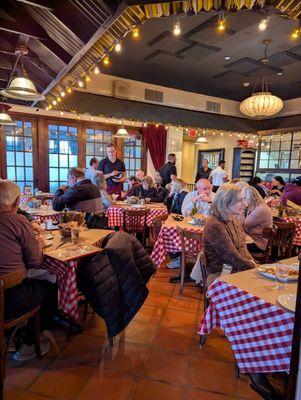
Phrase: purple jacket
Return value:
(293, 193)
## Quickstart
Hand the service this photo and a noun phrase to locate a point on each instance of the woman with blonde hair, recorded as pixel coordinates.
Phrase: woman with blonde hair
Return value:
(147, 191)
(175, 198)
(259, 216)
(224, 241)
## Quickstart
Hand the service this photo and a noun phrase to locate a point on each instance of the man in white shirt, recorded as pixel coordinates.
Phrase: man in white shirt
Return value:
(218, 176)
(201, 198)
(92, 173)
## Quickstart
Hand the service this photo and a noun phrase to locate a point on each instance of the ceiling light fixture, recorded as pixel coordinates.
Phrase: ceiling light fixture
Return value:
(262, 104)
(87, 78)
(177, 26)
(54, 102)
(5, 119)
(106, 61)
(201, 140)
(135, 33)
(69, 90)
(122, 133)
(263, 24)
(96, 70)
(227, 58)
(21, 87)
(80, 84)
(118, 47)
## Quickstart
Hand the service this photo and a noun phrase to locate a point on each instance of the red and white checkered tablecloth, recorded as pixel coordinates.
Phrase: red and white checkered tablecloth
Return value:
(115, 215)
(42, 218)
(297, 221)
(66, 277)
(168, 241)
(260, 333)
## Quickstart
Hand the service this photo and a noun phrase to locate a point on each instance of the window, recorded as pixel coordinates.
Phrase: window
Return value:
(96, 143)
(19, 158)
(63, 150)
(132, 154)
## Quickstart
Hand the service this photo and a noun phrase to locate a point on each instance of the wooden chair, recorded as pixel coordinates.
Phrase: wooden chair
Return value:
(157, 224)
(189, 251)
(283, 241)
(264, 257)
(134, 222)
(8, 281)
(204, 275)
(190, 187)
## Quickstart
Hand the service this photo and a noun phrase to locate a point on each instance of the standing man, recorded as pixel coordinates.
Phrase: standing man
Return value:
(168, 172)
(218, 176)
(92, 173)
(113, 170)
(203, 172)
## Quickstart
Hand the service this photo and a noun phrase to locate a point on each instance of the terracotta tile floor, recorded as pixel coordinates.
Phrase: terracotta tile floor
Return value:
(157, 357)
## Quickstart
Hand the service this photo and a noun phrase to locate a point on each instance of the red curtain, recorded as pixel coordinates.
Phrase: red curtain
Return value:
(156, 138)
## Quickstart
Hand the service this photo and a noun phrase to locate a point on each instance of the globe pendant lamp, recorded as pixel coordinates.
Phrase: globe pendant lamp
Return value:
(5, 119)
(262, 104)
(21, 87)
(122, 133)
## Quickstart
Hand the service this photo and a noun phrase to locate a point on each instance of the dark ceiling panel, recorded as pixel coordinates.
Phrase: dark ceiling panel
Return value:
(230, 76)
(244, 66)
(161, 56)
(197, 51)
(296, 50)
(283, 58)
(166, 40)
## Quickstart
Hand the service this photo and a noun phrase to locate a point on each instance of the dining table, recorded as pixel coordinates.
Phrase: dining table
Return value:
(245, 306)
(43, 213)
(169, 240)
(60, 259)
(115, 212)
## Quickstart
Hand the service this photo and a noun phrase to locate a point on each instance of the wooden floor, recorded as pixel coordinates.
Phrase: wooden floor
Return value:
(157, 357)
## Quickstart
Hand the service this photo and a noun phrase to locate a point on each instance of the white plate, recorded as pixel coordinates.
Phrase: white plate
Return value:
(288, 301)
(138, 205)
(272, 276)
(191, 222)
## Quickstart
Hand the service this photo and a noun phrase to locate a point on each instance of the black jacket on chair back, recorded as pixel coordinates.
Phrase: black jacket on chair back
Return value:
(114, 281)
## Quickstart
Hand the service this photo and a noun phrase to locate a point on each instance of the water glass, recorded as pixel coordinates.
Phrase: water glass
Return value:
(49, 204)
(48, 228)
(74, 235)
(281, 275)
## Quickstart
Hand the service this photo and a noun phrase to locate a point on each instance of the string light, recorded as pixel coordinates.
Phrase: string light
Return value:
(120, 122)
(118, 47)
(157, 125)
(61, 113)
(63, 94)
(221, 24)
(135, 33)
(177, 27)
(78, 117)
(96, 70)
(213, 132)
(133, 123)
(106, 60)
(145, 124)
(230, 134)
(222, 133)
(80, 84)
(107, 119)
(263, 24)
(47, 108)
(166, 127)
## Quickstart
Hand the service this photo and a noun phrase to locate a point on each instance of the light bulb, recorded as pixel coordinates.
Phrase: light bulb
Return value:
(63, 94)
(157, 125)
(107, 119)
(54, 102)
(221, 24)
(145, 124)
(133, 123)
(88, 79)
(263, 24)
(69, 90)
(177, 27)
(118, 47)
(59, 99)
(106, 60)
(296, 33)
(50, 106)
(135, 33)
(92, 118)
(78, 117)
(96, 70)
(61, 113)
(47, 108)
(222, 133)
(80, 83)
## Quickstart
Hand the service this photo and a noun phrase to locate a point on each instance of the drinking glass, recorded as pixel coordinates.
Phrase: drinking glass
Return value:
(48, 228)
(49, 204)
(74, 235)
(281, 276)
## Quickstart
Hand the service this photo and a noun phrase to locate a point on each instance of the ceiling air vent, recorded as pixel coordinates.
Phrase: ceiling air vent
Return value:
(153, 95)
(121, 89)
(213, 107)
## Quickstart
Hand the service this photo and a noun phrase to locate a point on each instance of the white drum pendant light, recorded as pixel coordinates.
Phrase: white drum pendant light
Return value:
(5, 119)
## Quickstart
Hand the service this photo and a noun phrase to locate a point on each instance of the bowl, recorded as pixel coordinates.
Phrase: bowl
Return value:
(65, 230)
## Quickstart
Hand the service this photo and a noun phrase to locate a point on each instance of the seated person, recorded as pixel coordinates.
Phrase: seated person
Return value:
(175, 198)
(105, 197)
(140, 175)
(20, 250)
(278, 185)
(259, 216)
(256, 182)
(92, 173)
(292, 192)
(147, 191)
(201, 198)
(162, 191)
(224, 241)
(132, 182)
(80, 195)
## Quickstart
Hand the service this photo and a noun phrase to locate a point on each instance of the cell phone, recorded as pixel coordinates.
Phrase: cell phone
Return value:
(177, 217)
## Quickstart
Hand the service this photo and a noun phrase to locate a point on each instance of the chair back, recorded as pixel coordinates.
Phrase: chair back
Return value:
(204, 275)
(191, 245)
(268, 233)
(157, 224)
(190, 187)
(134, 221)
(283, 240)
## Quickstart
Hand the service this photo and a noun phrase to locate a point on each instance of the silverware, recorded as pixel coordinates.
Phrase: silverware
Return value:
(61, 244)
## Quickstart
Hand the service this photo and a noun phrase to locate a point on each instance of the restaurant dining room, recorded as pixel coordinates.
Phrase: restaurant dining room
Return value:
(150, 199)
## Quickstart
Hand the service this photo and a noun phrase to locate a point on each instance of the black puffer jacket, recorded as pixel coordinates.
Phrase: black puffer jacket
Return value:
(114, 281)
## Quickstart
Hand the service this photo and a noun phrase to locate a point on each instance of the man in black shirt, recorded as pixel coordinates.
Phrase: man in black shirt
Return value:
(113, 170)
(168, 172)
(204, 172)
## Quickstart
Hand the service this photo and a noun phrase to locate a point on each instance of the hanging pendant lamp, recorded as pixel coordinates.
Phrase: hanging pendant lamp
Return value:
(122, 133)
(201, 140)
(21, 87)
(5, 119)
(262, 104)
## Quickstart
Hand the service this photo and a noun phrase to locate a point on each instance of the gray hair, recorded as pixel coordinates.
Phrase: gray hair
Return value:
(9, 193)
(178, 185)
(252, 197)
(226, 196)
(242, 185)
